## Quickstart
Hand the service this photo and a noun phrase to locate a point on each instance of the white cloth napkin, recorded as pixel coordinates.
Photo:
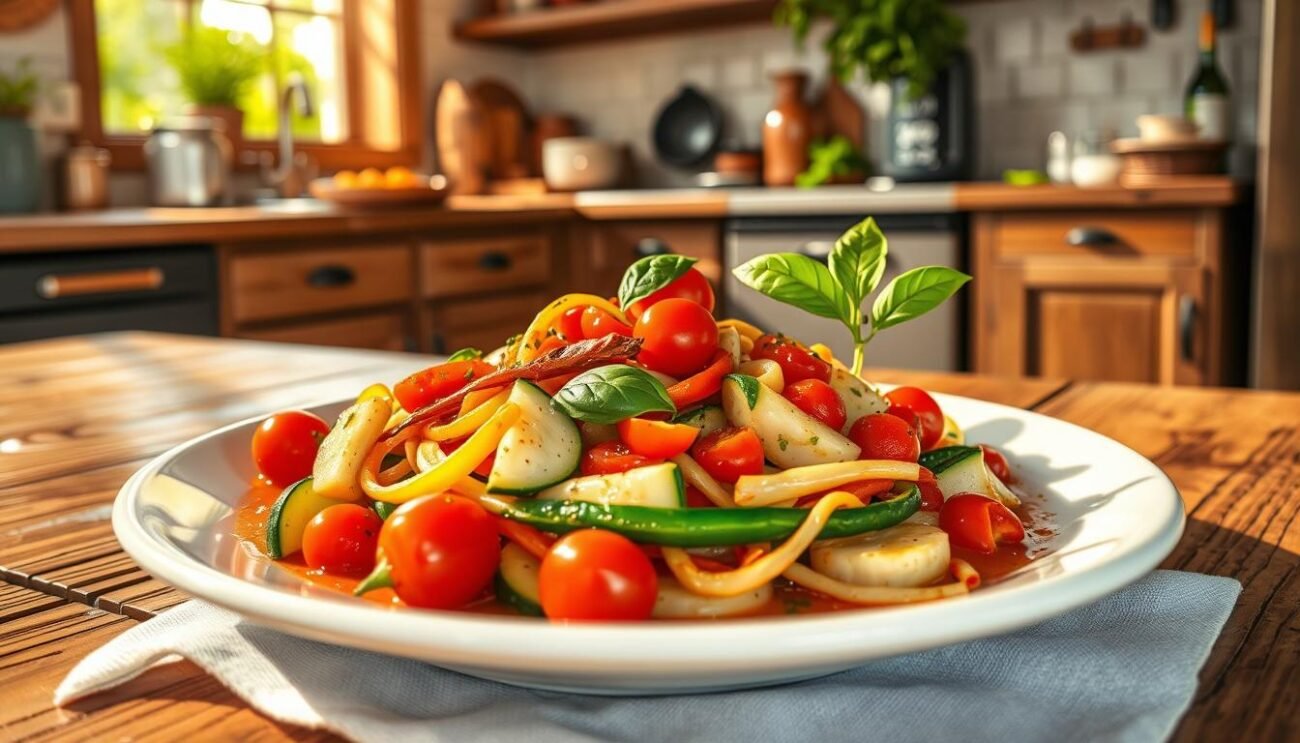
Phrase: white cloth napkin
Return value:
(1123, 668)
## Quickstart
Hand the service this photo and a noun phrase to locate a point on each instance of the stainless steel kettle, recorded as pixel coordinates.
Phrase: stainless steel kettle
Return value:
(189, 162)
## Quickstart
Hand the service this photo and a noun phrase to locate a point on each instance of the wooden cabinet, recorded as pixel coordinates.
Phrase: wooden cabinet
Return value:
(604, 250)
(385, 331)
(303, 281)
(1138, 296)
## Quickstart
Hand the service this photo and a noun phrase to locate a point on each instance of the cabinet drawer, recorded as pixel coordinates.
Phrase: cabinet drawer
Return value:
(483, 323)
(458, 267)
(388, 331)
(265, 286)
(1159, 234)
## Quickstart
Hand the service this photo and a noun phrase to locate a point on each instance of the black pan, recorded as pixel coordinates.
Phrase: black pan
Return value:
(688, 128)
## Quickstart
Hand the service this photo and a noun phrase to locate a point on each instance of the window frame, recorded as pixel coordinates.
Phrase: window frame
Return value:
(127, 150)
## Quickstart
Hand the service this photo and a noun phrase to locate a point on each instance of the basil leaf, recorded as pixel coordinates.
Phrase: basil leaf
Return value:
(796, 280)
(465, 354)
(858, 260)
(609, 394)
(649, 275)
(914, 293)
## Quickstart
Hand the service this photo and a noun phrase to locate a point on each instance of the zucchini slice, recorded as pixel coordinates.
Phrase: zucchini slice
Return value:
(516, 583)
(542, 448)
(707, 419)
(297, 505)
(658, 486)
(961, 469)
(859, 398)
(791, 437)
(344, 449)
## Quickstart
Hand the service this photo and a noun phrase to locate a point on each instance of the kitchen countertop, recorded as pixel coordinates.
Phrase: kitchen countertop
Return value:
(143, 226)
(83, 413)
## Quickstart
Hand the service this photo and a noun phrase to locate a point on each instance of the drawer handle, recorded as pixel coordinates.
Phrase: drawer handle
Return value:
(494, 261)
(1187, 327)
(331, 277)
(1091, 237)
(648, 246)
(60, 286)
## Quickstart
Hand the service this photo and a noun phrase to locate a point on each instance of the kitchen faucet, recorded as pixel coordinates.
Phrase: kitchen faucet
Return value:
(290, 176)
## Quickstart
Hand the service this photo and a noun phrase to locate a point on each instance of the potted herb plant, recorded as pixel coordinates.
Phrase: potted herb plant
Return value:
(19, 166)
(916, 47)
(216, 67)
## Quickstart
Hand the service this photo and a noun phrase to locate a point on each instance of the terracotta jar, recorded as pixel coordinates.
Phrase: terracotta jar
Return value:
(787, 130)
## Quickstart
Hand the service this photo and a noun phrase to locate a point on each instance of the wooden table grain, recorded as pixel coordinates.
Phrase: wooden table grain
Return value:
(79, 415)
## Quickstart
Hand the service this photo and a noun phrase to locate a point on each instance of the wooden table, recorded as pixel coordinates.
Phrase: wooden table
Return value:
(78, 415)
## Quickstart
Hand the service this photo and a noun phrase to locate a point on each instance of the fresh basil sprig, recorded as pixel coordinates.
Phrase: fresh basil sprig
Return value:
(466, 354)
(609, 394)
(650, 274)
(852, 272)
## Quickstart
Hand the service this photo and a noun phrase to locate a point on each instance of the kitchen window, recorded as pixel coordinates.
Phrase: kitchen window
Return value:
(358, 58)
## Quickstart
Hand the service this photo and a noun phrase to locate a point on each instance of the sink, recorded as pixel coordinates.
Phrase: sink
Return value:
(303, 205)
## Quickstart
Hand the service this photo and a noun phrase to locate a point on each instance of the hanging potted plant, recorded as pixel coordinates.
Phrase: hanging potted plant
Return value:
(916, 47)
(20, 182)
(216, 67)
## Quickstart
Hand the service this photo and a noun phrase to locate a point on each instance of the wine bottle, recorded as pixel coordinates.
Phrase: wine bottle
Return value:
(1206, 100)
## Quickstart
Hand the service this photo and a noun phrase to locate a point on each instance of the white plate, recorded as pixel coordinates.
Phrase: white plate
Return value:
(1118, 515)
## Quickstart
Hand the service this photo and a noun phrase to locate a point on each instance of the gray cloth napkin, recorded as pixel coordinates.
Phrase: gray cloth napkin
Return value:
(1123, 668)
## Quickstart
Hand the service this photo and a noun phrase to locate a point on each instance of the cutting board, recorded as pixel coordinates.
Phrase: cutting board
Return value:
(461, 139)
(506, 124)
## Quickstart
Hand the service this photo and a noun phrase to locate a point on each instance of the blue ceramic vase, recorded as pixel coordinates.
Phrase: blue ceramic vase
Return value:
(20, 182)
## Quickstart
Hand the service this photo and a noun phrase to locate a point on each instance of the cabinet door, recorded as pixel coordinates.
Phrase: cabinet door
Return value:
(483, 323)
(1132, 323)
(613, 246)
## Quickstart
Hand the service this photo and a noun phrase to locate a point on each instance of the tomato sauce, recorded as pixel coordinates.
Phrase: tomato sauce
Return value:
(249, 523)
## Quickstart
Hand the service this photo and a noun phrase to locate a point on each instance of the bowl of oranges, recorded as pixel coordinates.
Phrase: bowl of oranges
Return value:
(374, 187)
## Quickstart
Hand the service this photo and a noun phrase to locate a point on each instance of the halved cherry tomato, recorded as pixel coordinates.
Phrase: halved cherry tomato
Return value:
(797, 362)
(436, 382)
(979, 523)
(728, 453)
(818, 399)
(609, 457)
(691, 286)
(883, 436)
(285, 444)
(656, 439)
(678, 337)
(696, 499)
(342, 539)
(905, 402)
(931, 495)
(570, 324)
(597, 323)
(700, 386)
(593, 574)
(442, 550)
(997, 463)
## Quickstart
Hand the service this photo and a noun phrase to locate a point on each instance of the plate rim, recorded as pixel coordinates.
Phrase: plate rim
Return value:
(468, 640)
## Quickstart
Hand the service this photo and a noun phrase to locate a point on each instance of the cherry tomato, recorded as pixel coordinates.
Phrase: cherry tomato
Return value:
(997, 463)
(570, 324)
(342, 540)
(818, 399)
(690, 286)
(592, 574)
(728, 453)
(797, 362)
(656, 439)
(697, 499)
(931, 495)
(609, 457)
(284, 445)
(436, 382)
(883, 436)
(442, 550)
(979, 523)
(597, 323)
(905, 402)
(678, 337)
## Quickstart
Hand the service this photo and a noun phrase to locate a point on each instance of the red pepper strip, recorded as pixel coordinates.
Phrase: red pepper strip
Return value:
(699, 386)
(864, 490)
(534, 541)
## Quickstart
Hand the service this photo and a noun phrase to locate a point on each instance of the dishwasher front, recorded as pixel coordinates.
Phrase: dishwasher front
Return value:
(932, 341)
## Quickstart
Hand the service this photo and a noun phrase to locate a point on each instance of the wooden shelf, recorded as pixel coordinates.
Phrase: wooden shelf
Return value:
(609, 19)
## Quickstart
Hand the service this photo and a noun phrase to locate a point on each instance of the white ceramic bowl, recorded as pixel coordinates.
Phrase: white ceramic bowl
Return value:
(1117, 516)
(581, 163)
